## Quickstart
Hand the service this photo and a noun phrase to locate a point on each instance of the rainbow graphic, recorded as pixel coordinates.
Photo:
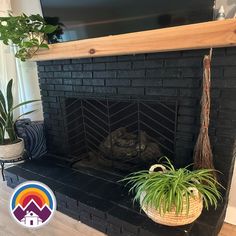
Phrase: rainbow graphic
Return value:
(32, 204)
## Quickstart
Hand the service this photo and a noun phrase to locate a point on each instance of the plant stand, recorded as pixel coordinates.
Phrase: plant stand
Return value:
(25, 156)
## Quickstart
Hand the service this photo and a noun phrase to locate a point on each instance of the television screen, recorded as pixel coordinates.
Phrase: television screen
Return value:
(82, 19)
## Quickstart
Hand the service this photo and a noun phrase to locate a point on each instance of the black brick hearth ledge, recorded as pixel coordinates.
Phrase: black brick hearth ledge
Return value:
(97, 200)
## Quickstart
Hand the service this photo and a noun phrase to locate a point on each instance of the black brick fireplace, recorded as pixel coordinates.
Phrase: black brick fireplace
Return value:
(157, 98)
(173, 76)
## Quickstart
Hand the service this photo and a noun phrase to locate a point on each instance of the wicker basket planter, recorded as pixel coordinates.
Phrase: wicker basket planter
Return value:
(12, 151)
(171, 218)
(171, 196)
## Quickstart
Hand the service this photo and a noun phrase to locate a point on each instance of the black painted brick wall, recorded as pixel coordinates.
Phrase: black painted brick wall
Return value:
(171, 75)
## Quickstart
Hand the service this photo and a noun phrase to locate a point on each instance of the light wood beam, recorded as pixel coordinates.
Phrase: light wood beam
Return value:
(194, 36)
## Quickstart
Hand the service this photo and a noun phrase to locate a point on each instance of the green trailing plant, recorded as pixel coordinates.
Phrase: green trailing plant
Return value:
(171, 189)
(7, 121)
(28, 33)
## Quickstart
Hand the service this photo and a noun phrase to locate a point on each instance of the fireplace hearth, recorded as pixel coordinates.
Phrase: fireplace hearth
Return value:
(97, 199)
(106, 117)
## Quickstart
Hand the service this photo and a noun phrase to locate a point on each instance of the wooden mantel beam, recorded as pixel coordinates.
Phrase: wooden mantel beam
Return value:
(195, 36)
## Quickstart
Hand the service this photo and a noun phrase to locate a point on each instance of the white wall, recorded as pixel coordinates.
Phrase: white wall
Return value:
(26, 6)
(230, 11)
(29, 86)
(231, 210)
(229, 6)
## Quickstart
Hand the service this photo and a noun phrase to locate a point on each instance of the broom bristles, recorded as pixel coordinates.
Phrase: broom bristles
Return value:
(203, 157)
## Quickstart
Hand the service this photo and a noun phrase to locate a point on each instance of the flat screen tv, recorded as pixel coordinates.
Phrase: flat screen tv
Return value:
(83, 19)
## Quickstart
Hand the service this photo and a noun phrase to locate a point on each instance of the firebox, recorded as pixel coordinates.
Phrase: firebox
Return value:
(119, 135)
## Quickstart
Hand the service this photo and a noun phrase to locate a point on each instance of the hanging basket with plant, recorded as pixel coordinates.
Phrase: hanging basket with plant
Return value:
(174, 197)
(11, 147)
(27, 33)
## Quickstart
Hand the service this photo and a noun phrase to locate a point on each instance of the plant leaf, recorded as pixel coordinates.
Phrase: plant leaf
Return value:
(26, 113)
(2, 133)
(48, 29)
(44, 45)
(24, 103)
(9, 95)
(9, 127)
(3, 113)
(2, 100)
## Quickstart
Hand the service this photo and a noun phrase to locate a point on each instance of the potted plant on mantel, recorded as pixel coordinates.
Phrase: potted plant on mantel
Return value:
(174, 197)
(27, 33)
(11, 147)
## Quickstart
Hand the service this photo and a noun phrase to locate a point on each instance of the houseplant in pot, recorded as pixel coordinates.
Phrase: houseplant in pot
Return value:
(174, 197)
(11, 147)
(27, 33)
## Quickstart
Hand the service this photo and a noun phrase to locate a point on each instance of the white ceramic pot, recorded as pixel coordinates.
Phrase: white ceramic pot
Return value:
(12, 151)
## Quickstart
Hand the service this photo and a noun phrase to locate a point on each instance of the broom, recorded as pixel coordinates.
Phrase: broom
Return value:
(203, 157)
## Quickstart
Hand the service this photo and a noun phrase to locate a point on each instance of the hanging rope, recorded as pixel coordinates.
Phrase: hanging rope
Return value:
(203, 157)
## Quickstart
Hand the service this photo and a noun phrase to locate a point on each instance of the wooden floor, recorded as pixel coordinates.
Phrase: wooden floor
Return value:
(60, 225)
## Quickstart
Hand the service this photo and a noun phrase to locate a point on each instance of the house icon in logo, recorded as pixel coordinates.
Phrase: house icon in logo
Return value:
(31, 219)
(32, 215)
(32, 204)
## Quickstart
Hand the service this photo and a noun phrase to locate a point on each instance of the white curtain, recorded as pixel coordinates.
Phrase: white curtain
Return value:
(8, 62)
(24, 74)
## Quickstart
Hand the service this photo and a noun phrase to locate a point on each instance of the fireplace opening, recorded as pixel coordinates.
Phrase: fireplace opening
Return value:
(119, 135)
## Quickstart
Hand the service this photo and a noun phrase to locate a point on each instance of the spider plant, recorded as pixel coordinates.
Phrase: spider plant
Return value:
(171, 189)
(7, 121)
